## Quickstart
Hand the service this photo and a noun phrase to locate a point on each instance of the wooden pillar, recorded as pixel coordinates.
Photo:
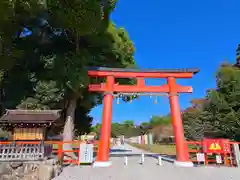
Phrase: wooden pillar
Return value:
(181, 148)
(104, 144)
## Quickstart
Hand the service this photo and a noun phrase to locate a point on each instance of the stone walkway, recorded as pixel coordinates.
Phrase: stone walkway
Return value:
(126, 149)
(149, 171)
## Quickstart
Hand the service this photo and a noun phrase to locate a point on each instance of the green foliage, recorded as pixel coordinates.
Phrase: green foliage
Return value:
(197, 124)
(157, 120)
(128, 123)
(160, 120)
(129, 129)
(46, 96)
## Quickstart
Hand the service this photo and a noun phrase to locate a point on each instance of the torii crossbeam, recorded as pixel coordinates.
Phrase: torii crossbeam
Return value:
(111, 87)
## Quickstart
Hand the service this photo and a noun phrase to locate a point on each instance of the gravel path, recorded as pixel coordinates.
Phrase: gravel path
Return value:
(126, 149)
(149, 171)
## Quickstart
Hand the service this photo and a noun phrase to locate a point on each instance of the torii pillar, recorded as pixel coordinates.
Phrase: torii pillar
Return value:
(171, 87)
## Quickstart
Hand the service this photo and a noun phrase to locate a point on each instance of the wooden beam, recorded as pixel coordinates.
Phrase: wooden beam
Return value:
(134, 88)
(140, 74)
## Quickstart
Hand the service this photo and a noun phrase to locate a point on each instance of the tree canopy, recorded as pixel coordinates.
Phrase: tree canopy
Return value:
(45, 49)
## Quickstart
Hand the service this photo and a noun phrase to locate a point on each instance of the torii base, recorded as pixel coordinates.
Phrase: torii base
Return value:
(102, 164)
(183, 164)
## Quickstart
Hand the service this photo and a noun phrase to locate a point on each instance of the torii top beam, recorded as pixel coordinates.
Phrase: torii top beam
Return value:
(145, 73)
(140, 75)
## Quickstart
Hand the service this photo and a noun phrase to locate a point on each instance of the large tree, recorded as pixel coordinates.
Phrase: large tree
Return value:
(46, 49)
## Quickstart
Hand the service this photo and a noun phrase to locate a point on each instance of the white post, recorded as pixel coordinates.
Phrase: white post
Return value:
(125, 160)
(160, 163)
(142, 158)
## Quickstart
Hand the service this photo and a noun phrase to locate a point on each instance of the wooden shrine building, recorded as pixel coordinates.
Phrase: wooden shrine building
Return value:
(29, 129)
(29, 124)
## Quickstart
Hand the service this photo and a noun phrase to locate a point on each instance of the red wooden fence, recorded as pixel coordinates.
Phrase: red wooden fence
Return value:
(195, 147)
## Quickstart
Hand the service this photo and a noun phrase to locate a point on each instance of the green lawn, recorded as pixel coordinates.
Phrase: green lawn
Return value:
(157, 148)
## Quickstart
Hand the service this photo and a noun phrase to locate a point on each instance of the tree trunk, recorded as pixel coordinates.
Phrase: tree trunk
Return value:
(68, 131)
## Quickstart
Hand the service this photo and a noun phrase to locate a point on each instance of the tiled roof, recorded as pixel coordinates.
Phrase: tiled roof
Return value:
(30, 116)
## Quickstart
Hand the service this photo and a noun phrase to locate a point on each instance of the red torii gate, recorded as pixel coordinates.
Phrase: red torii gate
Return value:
(171, 87)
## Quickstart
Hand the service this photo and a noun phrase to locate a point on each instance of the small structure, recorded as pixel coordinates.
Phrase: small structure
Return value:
(27, 127)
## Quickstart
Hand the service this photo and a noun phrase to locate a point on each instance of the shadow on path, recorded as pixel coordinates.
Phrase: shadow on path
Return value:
(119, 150)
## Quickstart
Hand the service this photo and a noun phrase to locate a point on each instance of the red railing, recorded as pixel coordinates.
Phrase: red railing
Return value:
(195, 147)
(57, 148)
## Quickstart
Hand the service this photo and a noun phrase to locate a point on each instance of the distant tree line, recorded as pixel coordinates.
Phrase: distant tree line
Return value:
(128, 128)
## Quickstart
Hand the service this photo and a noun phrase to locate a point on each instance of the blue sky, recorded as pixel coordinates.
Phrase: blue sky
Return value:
(176, 34)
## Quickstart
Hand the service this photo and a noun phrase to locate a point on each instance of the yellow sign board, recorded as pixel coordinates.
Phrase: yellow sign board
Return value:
(215, 147)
